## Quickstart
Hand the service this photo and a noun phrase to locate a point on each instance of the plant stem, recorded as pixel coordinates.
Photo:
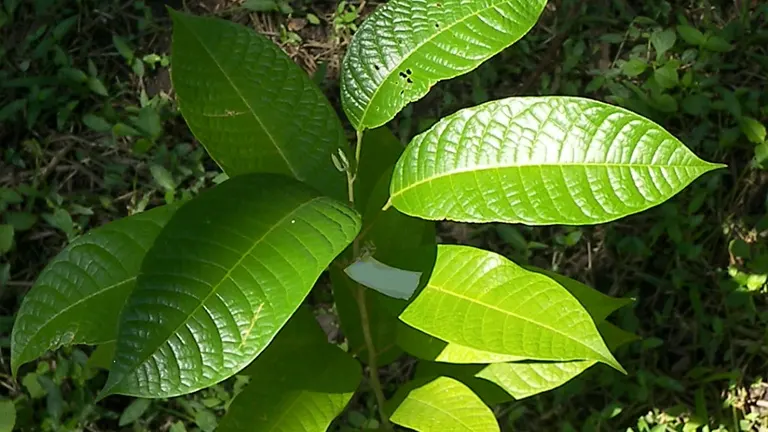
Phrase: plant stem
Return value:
(362, 306)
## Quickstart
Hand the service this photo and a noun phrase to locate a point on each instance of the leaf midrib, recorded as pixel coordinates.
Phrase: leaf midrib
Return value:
(215, 288)
(242, 97)
(418, 47)
(704, 165)
(506, 312)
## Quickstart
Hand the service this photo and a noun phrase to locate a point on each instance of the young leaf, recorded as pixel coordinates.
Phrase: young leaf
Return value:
(300, 382)
(224, 276)
(541, 161)
(444, 405)
(407, 46)
(79, 295)
(252, 108)
(481, 300)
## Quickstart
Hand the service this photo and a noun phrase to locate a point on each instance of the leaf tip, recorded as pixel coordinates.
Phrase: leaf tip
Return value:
(387, 205)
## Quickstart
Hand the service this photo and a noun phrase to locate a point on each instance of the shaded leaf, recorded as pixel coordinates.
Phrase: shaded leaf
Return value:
(224, 276)
(251, 106)
(134, 411)
(300, 382)
(7, 415)
(78, 297)
(541, 161)
(6, 238)
(406, 46)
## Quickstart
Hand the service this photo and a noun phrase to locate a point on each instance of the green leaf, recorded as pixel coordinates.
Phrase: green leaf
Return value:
(134, 411)
(407, 46)
(21, 221)
(251, 106)
(423, 346)
(444, 405)
(753, 129)
(102, 356)
(525, 379)
(634, 67)
(691, 35)
(300, 382)
(97, 86)
(6, 238)
(663, 41)
(122, 47)
(235, 263)
(541, 161)
(96, 123)
(379, 154)
(666, 76)
(390, 281)
(163, 177)
(7, 415)
(521, 313)
(490, 393)
(78, 297)
(717, 44)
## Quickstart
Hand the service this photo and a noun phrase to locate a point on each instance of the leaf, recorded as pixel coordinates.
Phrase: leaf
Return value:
(300, 382)
(122, 47)
(252, 108)
(7, 415)
(541, 161)
(691, 35)
(663, 41)
(634, 67)
(21, 221)
(102, 356)
(666, 76)
(407, 46)
(235, 263)
(753, 130)
(134, 411)
(481, 300)
(490, 393)
(390, 281)
(444, 405)
(97, 86)
(96, 123)
(6, 238)
(78, 296)
(423, 346)
(163, 177)
(525, 379)
(379, 154)
(717, 44)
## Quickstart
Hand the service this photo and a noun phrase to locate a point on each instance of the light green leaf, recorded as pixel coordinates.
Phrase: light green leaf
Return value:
(407, 46)
(691, 35)
(251, 106)
(423, 346)
(753, 129)
(490, 393)
(521, 313)
(79, 295)
(444, 405)
(390, 281)
(7, 415)
(299, 383)
(525, 379)
(134, 411)
(634, 67)
(663, 41)
(97, 86)
(541, 161)
(163, 177)
(224, 276)
(667, 76)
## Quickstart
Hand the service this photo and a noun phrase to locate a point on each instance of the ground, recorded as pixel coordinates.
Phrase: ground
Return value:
(91, 133)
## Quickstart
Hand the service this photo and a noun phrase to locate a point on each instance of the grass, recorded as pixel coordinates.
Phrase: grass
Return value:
(91, 133)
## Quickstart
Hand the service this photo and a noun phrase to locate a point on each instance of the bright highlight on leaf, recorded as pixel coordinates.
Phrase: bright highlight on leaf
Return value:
(407, 46)
(481, 300)
(78, 297)
(252, 108)
(541, 161)
(223, 277)
(444, 405)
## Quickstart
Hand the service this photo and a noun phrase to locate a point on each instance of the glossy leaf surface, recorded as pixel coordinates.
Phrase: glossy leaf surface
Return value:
(79, 295)
(541, 161)
(253, 109)
(481, 300)
(222, 278)
(299, 383)
(444, 405)
(407, 46)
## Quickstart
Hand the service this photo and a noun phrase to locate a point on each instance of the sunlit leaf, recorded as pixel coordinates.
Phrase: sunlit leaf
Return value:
(223, 277)
(541, 161)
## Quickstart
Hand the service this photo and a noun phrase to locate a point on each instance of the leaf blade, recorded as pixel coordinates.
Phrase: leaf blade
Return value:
(205, 306)
(392, 59)
(541, 161)
(94, 275)
(496, 289)
(253, 109)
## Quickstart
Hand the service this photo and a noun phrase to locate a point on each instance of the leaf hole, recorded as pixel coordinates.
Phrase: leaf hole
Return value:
(402, 92)
(403, 75)
(377, 67)
(408, 71)
(410, 81)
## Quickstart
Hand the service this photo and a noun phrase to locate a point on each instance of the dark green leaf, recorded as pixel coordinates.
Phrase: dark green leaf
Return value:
(134, 411)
